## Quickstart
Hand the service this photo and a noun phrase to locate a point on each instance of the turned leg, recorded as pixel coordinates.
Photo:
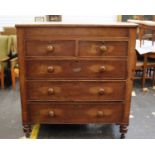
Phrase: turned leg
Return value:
(2, 76)
(27, 130)
(123, 130)
(153, 77)
(13, 79)
(144, 71)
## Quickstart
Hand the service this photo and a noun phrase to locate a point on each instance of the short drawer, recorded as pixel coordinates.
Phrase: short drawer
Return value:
(50, 48)
(75, 113)
(103, 48)
(76, 90)
(71, 69)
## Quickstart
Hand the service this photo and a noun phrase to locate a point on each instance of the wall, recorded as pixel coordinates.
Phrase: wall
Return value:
(90, 19)
(12, 20)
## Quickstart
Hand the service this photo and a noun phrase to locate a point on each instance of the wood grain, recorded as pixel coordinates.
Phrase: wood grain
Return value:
(76, 74)
(75, 90)
(72, 69)
(60, 48)
(75, 113)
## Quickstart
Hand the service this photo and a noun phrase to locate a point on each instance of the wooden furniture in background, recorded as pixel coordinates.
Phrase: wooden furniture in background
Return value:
(144, 26)
(148, 67)
(145, 65)
(76, 74)
(147, 25)
(14, 71)
(14, 62)
(145, 70)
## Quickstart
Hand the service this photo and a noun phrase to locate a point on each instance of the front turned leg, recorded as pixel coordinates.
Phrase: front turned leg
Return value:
(27, 130)
(123, 130)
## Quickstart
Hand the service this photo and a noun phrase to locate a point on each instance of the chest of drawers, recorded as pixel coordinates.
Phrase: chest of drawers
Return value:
(76, 74)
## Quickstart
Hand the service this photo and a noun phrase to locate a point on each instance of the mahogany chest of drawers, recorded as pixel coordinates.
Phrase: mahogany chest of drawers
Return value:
(76, 74)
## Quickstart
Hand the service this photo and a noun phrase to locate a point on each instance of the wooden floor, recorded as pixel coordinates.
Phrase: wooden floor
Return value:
(142, 119)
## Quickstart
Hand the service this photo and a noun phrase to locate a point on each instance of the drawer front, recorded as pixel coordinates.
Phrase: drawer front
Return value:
(75, 113)
(83, 69)
(71, 31)
(75, 90)
(100, 48)
(50, 48)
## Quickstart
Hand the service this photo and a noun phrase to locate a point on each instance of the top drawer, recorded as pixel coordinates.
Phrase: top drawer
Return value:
(50, 48)
(103, 48)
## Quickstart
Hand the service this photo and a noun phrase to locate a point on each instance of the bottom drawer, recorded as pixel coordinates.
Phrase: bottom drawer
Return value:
(75, 113)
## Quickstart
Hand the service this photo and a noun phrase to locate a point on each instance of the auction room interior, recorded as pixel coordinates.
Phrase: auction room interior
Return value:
(77, 77)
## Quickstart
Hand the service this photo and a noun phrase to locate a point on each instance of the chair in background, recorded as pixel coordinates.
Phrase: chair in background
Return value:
(148, 35)
(14, 71)
(145, 69)
(139, 67)
(14, 61)
(149, 68)
(5, 45)
(2, 74)
(11, 33)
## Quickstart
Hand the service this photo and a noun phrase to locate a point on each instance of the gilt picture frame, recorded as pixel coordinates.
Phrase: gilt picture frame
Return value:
(54, 18)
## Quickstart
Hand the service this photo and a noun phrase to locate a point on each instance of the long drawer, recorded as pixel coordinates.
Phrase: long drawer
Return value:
(75, 113)
(103, 48)
(81, 69)
(50, 48)
(75, 90)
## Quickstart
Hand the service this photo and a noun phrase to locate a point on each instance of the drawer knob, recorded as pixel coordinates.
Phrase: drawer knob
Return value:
(51, 113)
(100, 113)
(103, 48)
(50, 91)
(50, 69)
(102, 69)
(50, 48)
(101, 91)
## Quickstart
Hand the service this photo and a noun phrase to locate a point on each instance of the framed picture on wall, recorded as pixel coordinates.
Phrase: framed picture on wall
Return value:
(39, 19)
(124, 18)
(54, 18)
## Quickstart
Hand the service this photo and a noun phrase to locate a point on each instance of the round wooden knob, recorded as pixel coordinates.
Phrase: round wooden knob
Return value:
(103, 48)
(50, 69)
(102, 69)
(100, 113)
(50, 91)
(101, 91)
(51, 113)
(50, 48)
